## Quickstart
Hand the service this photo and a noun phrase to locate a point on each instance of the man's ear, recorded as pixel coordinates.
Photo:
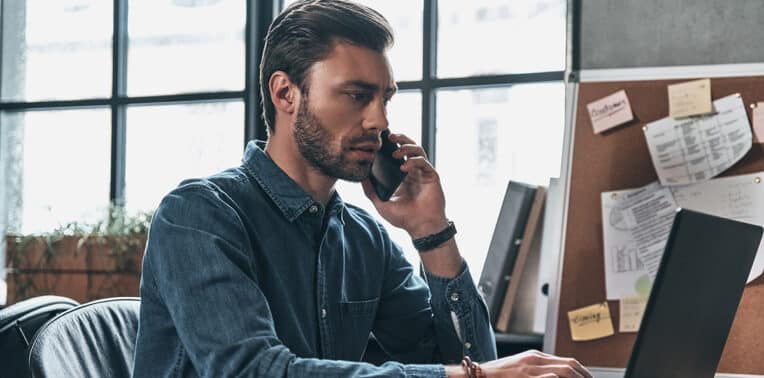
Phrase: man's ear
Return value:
(283, 92)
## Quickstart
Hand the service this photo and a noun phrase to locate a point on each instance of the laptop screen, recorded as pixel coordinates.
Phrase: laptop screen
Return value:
(694, 297)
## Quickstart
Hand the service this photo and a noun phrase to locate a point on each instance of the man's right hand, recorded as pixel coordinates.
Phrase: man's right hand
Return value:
(529, 364)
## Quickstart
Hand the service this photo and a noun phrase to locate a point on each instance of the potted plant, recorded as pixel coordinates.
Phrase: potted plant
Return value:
(80, 261)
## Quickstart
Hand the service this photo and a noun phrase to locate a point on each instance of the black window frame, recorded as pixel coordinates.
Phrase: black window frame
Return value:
(259, 14)
(431, 83)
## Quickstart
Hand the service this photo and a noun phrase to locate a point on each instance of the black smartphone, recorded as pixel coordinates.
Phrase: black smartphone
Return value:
(386, 173)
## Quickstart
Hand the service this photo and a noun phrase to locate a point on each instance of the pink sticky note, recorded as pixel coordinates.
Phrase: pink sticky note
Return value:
(758, 122)
(610, 111)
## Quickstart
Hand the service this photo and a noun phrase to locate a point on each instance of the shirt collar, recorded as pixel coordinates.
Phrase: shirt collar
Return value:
(288, 196)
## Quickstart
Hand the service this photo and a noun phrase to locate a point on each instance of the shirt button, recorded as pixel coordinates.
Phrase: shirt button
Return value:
(455, 297)
(467, 345)
(313, 209)
(323, 313)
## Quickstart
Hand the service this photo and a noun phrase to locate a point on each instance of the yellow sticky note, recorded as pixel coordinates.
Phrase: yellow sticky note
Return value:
(758, 122)
(610, 111)
(590, 322)
(690, 98)
(632, 309)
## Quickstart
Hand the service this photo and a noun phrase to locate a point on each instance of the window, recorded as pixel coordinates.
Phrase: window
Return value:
(484, 115)
(117, 101)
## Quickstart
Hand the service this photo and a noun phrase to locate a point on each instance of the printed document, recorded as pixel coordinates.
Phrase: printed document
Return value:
(636, 224)
(696, 149)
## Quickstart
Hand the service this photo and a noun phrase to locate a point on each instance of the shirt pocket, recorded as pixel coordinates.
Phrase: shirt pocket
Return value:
(355, 309)
(356, 323)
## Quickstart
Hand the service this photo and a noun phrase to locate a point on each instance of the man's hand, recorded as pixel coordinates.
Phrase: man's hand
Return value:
(418, 206)
(530, 364)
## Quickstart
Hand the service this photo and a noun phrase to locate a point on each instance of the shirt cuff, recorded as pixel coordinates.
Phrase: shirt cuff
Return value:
(457, 294)
(425, 371)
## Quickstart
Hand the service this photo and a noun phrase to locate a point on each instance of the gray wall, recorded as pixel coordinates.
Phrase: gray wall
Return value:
(647, 33)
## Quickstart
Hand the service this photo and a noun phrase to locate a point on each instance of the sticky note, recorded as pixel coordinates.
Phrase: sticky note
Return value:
(632, 309)
(610, 111)
(690, 98)
(758, 122)
(590, 322)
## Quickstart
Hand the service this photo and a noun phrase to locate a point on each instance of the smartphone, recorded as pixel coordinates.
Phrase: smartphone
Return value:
(386, 173)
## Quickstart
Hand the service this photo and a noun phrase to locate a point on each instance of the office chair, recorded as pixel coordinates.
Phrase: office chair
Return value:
(95, 339)
(18, 324)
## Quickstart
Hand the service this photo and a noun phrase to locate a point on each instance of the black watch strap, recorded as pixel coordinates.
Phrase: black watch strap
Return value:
(432, 241)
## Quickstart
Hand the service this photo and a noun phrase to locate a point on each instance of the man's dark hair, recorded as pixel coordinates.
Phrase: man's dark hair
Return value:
(305, 33)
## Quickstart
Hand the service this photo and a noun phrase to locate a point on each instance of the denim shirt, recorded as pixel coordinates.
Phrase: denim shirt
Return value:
(245, 274)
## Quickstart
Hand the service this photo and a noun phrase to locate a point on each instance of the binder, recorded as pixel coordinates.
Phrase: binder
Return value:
(505, 243)
(530, 239)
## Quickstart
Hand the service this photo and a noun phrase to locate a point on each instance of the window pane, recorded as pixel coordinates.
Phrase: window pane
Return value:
(486, 137)
(56, 50)
(530, 36)
(185, 46)
(404, 116)
(169, 143)
(405, 17)
(56, 168)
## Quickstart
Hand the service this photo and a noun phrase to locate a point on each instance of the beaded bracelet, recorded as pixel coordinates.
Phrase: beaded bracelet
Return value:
(472, 368)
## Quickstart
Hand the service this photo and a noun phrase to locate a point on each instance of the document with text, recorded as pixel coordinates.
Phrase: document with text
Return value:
(696, 149)
(636, 224)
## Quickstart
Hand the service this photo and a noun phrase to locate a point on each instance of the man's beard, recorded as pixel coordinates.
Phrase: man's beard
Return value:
(314, 141)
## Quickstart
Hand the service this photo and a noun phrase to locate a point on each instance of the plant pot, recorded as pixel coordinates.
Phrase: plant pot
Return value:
(78, 267)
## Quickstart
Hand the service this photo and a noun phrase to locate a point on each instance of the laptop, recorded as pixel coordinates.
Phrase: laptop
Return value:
(694, 297)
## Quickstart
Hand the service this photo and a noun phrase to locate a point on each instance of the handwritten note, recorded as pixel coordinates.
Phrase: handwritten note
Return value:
(738, 197)
(610, 111)
(590, 322)
(699, 148)
(690, 98)
(632, 309)
(758, 122)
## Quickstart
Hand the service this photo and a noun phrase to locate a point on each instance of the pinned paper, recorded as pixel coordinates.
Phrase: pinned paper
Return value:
(690, 98)
(632, 309)
(591, 322)
(758, 122)
(696, 149)
(610, 111)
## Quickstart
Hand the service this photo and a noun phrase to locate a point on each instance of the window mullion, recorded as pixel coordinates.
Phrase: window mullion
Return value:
(429, 69)
(118, 90)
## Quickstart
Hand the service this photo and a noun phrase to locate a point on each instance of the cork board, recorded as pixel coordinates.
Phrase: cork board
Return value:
(619, 159)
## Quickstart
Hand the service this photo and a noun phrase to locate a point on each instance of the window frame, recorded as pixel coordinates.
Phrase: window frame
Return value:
(430, 83)
(259, 14)
(258, 18)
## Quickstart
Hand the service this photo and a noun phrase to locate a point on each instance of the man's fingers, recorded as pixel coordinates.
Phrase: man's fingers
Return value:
(417, 162)
(401, 139)
(409, 150)
(562, 371)
(545, 360)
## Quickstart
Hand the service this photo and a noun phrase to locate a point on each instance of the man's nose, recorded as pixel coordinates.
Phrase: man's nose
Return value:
(376, 116)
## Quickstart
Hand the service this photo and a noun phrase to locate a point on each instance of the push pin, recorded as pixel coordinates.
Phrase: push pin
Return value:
(614, 196)
(757, 180)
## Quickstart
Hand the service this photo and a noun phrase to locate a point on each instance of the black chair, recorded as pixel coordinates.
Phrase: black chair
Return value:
(18, 324)
(95, 339)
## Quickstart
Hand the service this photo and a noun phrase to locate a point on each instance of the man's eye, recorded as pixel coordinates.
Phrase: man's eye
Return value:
(359, 96)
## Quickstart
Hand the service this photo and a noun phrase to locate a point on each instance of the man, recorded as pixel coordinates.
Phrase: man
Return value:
(263, 270)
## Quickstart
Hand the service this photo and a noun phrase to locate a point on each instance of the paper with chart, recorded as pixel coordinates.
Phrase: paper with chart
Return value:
(736, 197)
(635, 223)
(696, 149)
